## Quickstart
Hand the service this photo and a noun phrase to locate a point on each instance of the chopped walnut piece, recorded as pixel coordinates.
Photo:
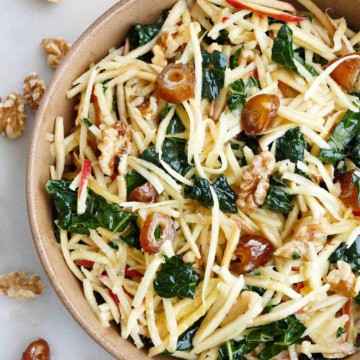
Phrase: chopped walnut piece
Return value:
(12, 116)
(34, 89)
(342, 280)
(254, 182)
(115, 142)
(56, 49)
(21, 286)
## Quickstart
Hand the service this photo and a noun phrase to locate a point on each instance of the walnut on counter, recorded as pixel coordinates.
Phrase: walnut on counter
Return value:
(254, 182)
(34, 89)
(56, 49)
(12, 116)
(21, 286)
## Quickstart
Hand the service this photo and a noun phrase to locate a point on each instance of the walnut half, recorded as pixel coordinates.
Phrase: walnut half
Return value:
(56, 49)
(34, 89)
(255, 182)
(21, 286)
(12, 116)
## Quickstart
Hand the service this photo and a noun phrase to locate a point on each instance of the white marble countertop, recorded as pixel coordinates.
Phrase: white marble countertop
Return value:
(23, 24)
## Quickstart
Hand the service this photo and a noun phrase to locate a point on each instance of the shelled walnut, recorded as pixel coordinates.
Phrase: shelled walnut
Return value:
(56, 49)
(34, 89)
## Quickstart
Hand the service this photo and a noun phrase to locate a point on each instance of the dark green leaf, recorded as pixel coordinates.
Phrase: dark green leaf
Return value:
(200, 192)
(347, 129)
(175, 126)
(279, 335)
(251, 142)
(296, 256)
(355, 155)
(278, 201)
(174, 155)
(350, 255)
(291, 146)
(176, 278)
(340, 332)
(98, 213)
(186, 338)
(237, 95)
(357, 298)
(282, 51)
(253, 81)
(140, 35)
(133, 180)
(356, 181)
(275, 181)
(87, 122)
(214, 65)
(226, 195)
(234, 60)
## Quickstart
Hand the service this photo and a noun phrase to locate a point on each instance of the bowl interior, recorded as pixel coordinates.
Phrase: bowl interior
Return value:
(94, 44)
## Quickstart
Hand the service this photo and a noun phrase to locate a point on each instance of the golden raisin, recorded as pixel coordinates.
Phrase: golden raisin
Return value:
(175, 83)
(156, 229)
(259, 113)
(252, 252)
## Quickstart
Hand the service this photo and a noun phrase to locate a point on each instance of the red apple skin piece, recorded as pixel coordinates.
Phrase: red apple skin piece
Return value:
(283, 16)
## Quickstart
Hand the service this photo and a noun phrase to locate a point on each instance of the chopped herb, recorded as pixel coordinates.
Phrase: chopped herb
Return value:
(350, 255)
(291, 146)
(87, 122)
(175, 125)
(253, 82)
(340, 332)
(98, 213)
(176, 278)
(214, 65)
(157, 233)
(296, 256)
(347, 129)
(133, 180)
(278, 336)
(275, 181)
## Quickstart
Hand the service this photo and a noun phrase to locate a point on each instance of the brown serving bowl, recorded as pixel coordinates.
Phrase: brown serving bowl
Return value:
(108, 31)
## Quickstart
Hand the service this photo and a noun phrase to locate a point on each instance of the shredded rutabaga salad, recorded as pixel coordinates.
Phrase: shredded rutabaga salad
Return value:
(207, 197)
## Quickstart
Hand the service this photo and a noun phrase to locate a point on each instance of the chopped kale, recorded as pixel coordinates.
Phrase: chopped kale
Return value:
(176, 278)
(98, 213)
(278, 201)
(214, 65)
(291, 145)
(133, 180)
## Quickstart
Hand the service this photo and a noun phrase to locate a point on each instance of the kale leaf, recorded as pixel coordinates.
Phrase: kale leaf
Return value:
(133, 180)
(284, 54)
(350, 255)
(237, 97)
(226, 195)
(201, 192)
(140, 35)
(214, 65)
(346, 130)
(239, 92)
(279, 335)
(278, 201)
(98, 213)
(175, 125)
(291, 146)
(282, 51)
(234, 60)
(173, 153)
(176, 278)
